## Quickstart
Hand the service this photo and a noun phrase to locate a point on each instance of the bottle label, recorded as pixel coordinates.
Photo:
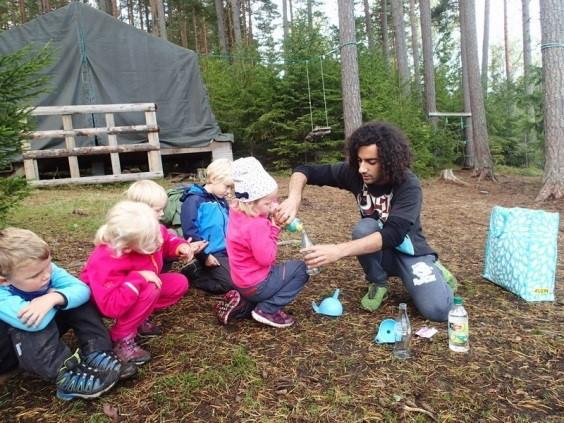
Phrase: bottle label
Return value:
(458, 333)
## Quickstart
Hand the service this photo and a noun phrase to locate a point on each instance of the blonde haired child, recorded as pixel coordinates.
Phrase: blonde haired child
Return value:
(204, 215)
(252, 246)
(124, 274)
(150, 193)
(39, 302)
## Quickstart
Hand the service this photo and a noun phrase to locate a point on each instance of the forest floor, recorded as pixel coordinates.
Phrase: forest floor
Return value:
(324, 369)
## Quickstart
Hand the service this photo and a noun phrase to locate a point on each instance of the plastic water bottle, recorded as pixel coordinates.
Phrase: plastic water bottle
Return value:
(458, 327)
(306, 243)
(295, 226)
(403, 334)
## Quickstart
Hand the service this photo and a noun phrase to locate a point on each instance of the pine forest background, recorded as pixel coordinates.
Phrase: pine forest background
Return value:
(270, 86)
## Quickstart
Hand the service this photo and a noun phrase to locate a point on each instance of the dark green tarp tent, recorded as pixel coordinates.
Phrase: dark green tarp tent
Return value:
(100, 60)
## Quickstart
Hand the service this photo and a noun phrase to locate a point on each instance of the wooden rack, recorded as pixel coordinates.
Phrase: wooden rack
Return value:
(113, 148)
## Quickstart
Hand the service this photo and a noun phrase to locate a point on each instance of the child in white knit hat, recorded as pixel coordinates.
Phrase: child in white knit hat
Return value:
(252, 237)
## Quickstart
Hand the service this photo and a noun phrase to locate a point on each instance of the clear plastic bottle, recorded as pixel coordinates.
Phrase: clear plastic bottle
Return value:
(403, 334)
(458, 327)
(306, 243)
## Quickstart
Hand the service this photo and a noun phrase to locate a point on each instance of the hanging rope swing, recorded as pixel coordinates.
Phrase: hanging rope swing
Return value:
(317, 132)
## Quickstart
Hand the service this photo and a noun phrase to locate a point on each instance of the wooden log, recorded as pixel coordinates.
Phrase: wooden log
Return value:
(70, 144)
(104, 179)
(60, 133)
(94, 108)
(87, 151)
(154, 157)
(112, 141)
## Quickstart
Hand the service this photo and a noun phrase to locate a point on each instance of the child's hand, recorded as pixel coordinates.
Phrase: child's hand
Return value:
(185, 252)
(211, 261)
(198, 246)
(32, 315)
(152, 277)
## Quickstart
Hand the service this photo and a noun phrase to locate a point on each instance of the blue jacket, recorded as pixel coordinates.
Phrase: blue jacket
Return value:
(75, 292)
(204, 217)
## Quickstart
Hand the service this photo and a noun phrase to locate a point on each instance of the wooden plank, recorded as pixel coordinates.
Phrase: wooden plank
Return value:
(87, 151)
(58, 133)
(70, 144)
(154, 157)
(221, 150)
(185, 150)
(94, 108)
(112, 141)
(446, 114)
(104, 179)
(31, 171)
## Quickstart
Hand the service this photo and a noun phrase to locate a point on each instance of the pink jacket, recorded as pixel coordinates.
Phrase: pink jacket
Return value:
(251, 247)
(115, 282)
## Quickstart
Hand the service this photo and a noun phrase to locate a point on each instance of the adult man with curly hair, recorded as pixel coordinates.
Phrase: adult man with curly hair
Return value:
(388, 239)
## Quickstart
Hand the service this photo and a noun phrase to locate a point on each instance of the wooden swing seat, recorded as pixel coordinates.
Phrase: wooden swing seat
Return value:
(318, 132)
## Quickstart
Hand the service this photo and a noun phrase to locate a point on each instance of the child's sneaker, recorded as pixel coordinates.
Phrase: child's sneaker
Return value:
(148, 329)
(128, 351)
(278, 319)
(78, 380)
(109, 361)
(227, 307)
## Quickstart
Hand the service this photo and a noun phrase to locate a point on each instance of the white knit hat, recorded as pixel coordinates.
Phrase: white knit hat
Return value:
(251, 181)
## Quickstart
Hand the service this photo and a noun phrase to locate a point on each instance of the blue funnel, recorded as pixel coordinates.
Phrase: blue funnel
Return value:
(330, 306)
(386, 332)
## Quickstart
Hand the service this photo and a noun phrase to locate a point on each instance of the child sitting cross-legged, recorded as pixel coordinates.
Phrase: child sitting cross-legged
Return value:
(252, 237)
(39, 302)
(124, 274)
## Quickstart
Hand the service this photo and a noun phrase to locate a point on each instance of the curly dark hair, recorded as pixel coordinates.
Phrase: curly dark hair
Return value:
(393, 149)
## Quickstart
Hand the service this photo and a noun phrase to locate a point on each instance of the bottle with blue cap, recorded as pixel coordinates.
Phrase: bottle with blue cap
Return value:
(295, 226)
(403, 334)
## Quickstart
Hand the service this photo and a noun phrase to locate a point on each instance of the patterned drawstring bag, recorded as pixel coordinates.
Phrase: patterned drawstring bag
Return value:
(521, 252)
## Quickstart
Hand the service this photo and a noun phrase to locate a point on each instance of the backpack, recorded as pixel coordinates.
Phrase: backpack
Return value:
(173, 207)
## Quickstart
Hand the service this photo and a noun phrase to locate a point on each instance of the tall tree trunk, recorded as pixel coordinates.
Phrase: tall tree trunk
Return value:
(401, 48)
(291, 11)
(428, 67)
(552, 48)
(184, 32)
(415, 45)
(236, 13)
(485, 47)
(195, 29)
(21, 4)
(285, 20)
(368, 24)
(531, 133)
(221, 26)
(483, 164)
(507, 47)
(159, 23)
(44, 6)
(116, 10)
(309, 14)
(384, 25)
(130, 18)
(349, 67)
(469, 151)
(250, 25)
(205, 35)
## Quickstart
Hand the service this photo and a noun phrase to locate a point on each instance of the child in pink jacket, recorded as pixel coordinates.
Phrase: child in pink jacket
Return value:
(124, 274)
(252, 236)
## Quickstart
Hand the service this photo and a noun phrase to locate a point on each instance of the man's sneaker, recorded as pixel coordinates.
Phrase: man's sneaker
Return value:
(449, 277)
(374, 297)
(228, 304)
(128, 351)
(278, 319)
(148, 329)
(78, 380)
(109, 361)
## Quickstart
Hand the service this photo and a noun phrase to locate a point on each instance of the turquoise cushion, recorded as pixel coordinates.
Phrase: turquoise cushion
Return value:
(521, 252)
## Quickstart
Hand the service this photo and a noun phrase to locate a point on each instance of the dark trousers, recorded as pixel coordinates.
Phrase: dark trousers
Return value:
(420, 275)
(216, 280)
(281, 286)
(43, 352)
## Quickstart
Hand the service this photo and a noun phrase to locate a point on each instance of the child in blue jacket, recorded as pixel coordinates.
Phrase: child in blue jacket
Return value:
(39, 302)
(204, 216)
